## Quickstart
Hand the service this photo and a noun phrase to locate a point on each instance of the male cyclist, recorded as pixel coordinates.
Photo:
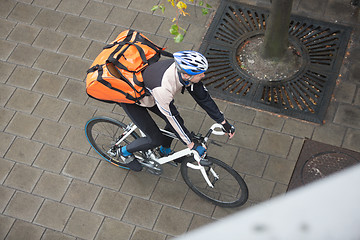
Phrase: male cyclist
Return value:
(163, 80)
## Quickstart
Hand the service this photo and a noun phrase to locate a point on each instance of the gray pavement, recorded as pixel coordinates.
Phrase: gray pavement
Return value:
(54, 187)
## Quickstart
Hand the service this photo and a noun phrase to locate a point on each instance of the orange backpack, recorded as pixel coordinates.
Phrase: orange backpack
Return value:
(116, 73)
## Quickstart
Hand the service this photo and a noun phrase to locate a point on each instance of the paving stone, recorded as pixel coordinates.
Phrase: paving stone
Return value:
(193, 203)
(345, 92)
(108, 175)
(173, 221)
(195, 34)
(199, 221)
(24, 13)
(74, 91)
(25, 230)
(250, 162)
(274, 143)
(335, 7)
(121, 16)
(74, 46)
(311, 8)
(68, 6)
(5, 167)
(52, 235)
(141, 233)
(98, 31)
(48, 19)
(23, 177)
(5, 142)
(146, 22)
(96, 10)
(53, 215)
(80, 166)
(5, 93)
(73, 25)
(348, 115)
(268, 121)
(81, 194)
(77, 115)
(352, 139)
(354, 74)
(23, 100)
(279, 189)
(49, 39)
(5, 116)
(24, 55)
(6, 7)
(172, 46)
(52, 186)
(225, 152)
(142, 213)
(23, 206)
(5, 196)
(50, 132)
(239, 113)
(116, 32)
(139, 184)
(6, 27)
(170, 12)
(169, 192)
(75, 140)
(93, 51)
(6, 224)
(6, 48)
(295, 149)
(52, 4)
(259, 189)
(24, 33)
(246, 136)
(112, 229)
(121, 3)
(83, 224)
(50, 61)
(298, 128)
(329, 133)
(112, 204)
(50, 108)
(23, 150)
(50, 84)
(279, 170)
(51, 159)
(6, 70)
(23, 125)
(24, 77)
(143, 6)
(75, 68)
(195, 16)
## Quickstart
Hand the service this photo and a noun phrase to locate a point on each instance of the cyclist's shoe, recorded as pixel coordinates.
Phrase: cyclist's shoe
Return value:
(164, 152)
(130, 161)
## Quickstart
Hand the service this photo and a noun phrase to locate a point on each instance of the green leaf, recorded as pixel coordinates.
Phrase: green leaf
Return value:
(208, 6)
(179, 38)
(204, 11)
(155, 7)
(201, 3)
(162, 8)
(174, 29)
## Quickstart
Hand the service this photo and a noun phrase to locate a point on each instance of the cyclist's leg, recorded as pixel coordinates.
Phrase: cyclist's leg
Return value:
(143, 120)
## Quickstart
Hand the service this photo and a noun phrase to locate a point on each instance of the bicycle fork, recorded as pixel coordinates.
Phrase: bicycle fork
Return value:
(202, 170)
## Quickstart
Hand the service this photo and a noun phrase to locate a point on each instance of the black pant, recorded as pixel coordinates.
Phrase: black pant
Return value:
(142, 119)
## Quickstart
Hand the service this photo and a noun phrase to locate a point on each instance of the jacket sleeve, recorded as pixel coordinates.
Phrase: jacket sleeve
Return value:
(203, 98)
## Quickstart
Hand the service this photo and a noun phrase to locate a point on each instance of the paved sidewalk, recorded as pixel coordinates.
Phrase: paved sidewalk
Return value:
(54, 187)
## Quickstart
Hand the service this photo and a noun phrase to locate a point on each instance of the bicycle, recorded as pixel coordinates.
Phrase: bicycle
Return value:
(208, 177)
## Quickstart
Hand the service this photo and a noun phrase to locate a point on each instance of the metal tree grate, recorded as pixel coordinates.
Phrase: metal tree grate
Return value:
(306, 94)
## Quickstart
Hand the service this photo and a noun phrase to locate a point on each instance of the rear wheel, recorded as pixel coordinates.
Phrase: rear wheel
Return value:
(102, 134)
(229, 190)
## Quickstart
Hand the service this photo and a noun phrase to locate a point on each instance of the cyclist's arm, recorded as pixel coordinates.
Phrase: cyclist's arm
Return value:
(203, 98)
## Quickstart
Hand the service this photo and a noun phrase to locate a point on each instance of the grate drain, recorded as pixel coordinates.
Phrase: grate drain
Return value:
(304, 95)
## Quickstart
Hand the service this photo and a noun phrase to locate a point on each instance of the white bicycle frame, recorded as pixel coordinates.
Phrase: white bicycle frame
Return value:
(181, 153)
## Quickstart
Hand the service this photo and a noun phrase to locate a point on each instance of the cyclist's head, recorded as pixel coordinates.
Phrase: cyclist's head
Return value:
(190, 62)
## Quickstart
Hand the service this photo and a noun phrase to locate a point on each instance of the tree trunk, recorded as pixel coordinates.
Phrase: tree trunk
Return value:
(277, 30)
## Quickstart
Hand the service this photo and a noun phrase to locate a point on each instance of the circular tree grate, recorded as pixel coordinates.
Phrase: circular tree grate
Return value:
(304, 95)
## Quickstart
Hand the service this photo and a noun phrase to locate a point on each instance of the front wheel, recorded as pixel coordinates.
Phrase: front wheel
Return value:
(229, 190)
(102, 134)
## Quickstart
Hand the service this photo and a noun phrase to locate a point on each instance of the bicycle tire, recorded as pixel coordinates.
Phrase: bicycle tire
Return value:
(230, 190)
(102, 133)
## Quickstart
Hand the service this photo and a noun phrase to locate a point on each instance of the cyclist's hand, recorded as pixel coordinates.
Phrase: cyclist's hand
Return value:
(228, 128)
(201, 150)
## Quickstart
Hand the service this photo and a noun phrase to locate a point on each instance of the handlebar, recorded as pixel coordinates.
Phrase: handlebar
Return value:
(217, 132)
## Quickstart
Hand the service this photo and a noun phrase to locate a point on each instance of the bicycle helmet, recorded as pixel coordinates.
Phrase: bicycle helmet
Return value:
(190, 62)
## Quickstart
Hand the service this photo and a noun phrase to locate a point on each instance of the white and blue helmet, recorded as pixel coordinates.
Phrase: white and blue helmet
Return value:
(190, 62)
